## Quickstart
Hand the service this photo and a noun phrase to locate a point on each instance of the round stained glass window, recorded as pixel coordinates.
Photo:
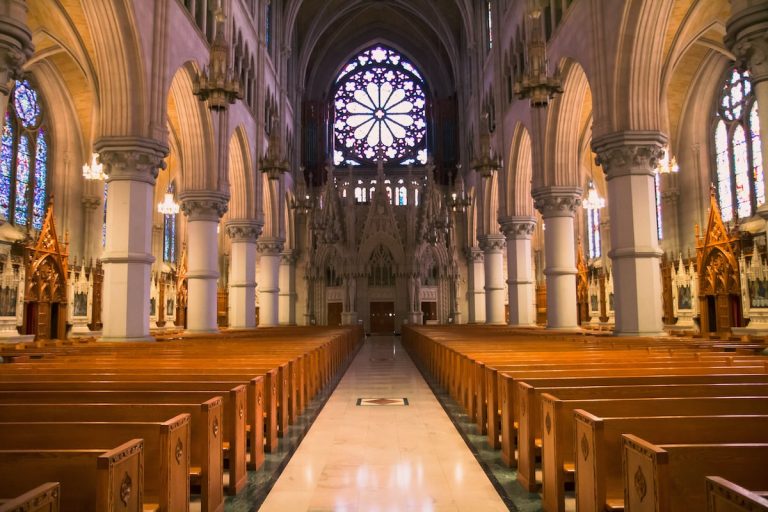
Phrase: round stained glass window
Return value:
(27, 105)
(379, 110)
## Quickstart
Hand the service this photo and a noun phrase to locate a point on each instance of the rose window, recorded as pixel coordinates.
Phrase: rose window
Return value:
(379, 110)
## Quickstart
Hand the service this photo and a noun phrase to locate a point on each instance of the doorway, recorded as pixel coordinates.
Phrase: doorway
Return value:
(334, 314)
(429, 312)
(382, 317)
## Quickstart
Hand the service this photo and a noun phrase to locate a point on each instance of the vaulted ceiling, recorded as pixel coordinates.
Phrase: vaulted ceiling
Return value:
(324, 34)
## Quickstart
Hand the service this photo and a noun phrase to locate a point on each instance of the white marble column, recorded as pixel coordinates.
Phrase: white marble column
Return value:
(15, 46)
(493, 259)
(629, 160)
(558, 207)
(203, 210)
(520, 281)
(269, 280)
(747, 37)
(287, 286)
(242, 273)
(131, 165)
(475, 285)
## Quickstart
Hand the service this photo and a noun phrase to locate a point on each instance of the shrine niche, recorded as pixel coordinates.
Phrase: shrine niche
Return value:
(181, 292)
(45, 287)
(684, 287)
(719, 282)
(582, 286)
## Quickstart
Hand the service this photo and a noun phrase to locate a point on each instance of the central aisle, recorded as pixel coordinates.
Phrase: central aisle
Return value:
(383, 458)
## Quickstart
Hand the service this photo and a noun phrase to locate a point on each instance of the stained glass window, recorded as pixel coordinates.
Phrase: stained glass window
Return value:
(657, 195)
(268, 26)
(490, 23)
(593, 232)
(738, 156)
(23, 159)
(380, 110)
(169, 231)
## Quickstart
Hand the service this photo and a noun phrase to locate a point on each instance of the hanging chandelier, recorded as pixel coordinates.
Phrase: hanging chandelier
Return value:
(216, 83)
(593, 200)
(94, 170)
(534, 82)
(273, 164)
(168, 206)
(668, 164)
(487, 163)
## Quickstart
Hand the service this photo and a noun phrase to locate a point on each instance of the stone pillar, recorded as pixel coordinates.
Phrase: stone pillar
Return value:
(242, 273)
(629, 160)
(91, 233)
(287, 288)
(493, 256)
(131, 165)
(475, 285)
(203, 210)
(747, 37)
(269, 285)
(520, 281)
(558, 206)
(15, 46)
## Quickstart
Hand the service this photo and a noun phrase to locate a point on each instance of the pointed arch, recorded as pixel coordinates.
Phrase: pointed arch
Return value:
(241, 205)
(519, 174)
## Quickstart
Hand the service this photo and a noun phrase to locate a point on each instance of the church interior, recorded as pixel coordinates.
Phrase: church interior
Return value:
(383, 255)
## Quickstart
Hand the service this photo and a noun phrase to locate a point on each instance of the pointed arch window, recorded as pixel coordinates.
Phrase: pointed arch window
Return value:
(169, 230)
(738, 156)
(24, 159)
(379, 110)
(489, 20)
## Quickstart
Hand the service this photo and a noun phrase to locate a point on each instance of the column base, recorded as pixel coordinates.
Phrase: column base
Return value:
(575, 330)
(202, 331)
(416, 318)
(349, 319)
(635, 334)
(140, 338)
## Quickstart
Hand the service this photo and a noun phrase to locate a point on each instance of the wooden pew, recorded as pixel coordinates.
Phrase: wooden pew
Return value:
(91, 480)
(43, 498)
(166, 450)
(558, 441)
(205, 420)
(725, 496)
(233, 419)
(599, 486)
(653, 474)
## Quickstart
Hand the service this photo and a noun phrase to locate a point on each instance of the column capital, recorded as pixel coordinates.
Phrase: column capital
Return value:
(492, 243)
(203, 205)
(557, 201)
(473, 254)
(746, 35)
(131, 158)
(91, 202)
(629, 153)
(244, 230)
(15, 42)
(517, 227)
(270, 246)
(289, 257)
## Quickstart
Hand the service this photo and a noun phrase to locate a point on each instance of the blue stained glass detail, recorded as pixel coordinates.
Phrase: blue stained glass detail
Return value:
(741, 170)
(169, 232)
(26, 103)
(6, 162)
(593, 232)
(41, 175)
(757, 156)
(22, 181)
(657, 192)
(104, 225)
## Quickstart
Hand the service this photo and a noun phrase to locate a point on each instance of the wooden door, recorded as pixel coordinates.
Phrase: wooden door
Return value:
(429, 311)
(43, 330)
(382, 317)
(334, 313)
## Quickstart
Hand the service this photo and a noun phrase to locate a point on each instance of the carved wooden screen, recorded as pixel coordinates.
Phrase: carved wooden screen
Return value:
(667, 266)
(45, 295)
(582, 285)
(718, 267)
(181, 291)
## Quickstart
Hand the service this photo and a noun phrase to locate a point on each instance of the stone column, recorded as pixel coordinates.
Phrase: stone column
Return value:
(475, 285)
(520, 281)
(203, 210)
(558, 206)
(269, 285)
(493, 256)
(131, 165)
(629, 160)
(91, 233)
(747, 37)
(242, 273)
(15, 46)
(287, 287)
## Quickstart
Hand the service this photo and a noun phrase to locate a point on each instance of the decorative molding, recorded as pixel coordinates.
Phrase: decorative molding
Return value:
(584, 446)
(474, 255)
(270, 246)
(517, 228)
(492, 243)
(289, 257)
(126, 488)
(641, 485)
(557, 201)
(204, 205)
(91, 202)
(244, 230)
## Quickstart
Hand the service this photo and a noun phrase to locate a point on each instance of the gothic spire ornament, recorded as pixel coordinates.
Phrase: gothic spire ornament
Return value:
(534, 82)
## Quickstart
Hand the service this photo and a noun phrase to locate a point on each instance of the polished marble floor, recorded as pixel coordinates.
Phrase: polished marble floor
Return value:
(382, 459)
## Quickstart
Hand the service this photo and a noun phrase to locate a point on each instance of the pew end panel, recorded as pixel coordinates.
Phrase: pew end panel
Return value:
(725, 496)
(645, 475)
(120, 478)
(43, 498)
